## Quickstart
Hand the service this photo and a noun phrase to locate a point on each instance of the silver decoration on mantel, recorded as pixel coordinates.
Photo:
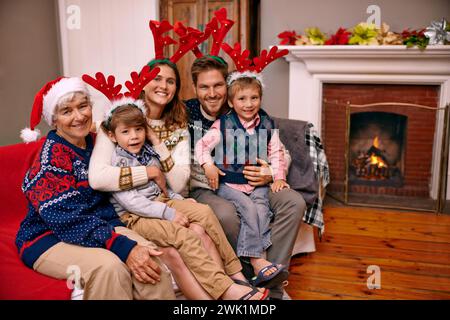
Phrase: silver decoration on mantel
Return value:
(437, 33)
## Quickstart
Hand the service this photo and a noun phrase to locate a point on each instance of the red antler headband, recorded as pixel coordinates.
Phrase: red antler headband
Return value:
(160, 41)
(246, 67)
(241, 60)
(197, 36)
(112, 92)
(219, 34)
(189, 39)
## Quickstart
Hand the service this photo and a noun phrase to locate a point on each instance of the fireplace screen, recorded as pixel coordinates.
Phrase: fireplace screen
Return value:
(376, 149)
(387, 154)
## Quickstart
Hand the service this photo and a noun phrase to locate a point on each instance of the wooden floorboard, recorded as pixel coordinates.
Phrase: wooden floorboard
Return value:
(411, 249)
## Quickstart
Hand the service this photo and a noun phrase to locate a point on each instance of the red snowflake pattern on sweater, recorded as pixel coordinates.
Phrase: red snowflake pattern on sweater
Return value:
(49, 186)
(62, 157)
(36, 167)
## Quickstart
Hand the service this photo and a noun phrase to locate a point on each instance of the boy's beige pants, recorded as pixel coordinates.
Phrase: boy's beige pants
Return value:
(103, 275)
(166, 233)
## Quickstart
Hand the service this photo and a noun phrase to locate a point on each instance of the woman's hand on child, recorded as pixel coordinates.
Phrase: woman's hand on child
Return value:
(279, 185)
(191, 200)
(155, 174)
(152, 137)
(181, 219)
(144, 269)
(212, 174)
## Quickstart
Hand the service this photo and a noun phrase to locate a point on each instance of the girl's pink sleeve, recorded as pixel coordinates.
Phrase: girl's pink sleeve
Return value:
(276, 157)
(206, 144)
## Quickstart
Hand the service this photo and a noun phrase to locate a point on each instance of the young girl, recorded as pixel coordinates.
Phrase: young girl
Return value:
(245, 134)
(166, 218)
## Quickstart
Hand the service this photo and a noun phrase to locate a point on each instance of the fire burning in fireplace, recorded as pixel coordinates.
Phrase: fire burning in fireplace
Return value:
(371, 165)
(376, 149)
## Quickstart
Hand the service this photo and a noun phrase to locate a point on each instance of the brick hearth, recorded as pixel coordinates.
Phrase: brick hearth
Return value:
(419, 137)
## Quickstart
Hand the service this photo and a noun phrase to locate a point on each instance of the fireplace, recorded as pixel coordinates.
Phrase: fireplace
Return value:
(379, 141)
(351, 93)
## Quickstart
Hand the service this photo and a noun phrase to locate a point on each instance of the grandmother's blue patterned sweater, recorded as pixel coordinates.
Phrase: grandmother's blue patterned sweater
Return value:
(62, 205)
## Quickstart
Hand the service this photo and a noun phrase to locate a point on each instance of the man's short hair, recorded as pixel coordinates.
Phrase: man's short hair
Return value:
(207, 63)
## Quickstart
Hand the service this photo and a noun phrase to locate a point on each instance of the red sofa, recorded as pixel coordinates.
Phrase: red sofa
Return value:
(16, 280)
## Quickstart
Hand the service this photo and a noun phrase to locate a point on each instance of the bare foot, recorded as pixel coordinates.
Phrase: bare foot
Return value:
(260, 263)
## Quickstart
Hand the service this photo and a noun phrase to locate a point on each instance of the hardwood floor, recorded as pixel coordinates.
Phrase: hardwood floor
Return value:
(411, 249)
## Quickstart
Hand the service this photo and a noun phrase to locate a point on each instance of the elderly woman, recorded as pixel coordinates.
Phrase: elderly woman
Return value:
(69, 223)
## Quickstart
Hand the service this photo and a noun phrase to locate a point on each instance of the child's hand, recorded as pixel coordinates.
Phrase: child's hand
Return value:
(279, 185)
(152, 137)
(155, 174)
(181, 219)
(212, 174)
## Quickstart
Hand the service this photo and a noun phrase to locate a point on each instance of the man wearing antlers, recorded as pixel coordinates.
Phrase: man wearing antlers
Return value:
(209, 74)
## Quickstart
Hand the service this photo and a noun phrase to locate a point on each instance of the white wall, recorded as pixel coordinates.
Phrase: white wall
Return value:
(113, 37)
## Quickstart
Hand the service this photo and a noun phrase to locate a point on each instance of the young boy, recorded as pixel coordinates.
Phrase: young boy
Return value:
(252, 136)
(166, 218)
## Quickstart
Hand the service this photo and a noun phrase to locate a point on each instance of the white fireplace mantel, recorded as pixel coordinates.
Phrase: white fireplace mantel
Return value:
(312, 66)
(370, 59)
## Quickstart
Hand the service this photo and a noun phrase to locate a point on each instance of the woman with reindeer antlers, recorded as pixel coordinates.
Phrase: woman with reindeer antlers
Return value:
(166, 117)
(167, 132)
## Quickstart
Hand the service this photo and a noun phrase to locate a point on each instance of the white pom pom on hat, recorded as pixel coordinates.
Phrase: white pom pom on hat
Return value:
(45, 103)
(28, 135)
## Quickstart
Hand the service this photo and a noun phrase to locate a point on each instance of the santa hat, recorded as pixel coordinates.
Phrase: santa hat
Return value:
(45, 103)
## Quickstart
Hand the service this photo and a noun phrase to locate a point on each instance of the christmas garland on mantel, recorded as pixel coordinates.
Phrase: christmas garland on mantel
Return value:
(368, 34)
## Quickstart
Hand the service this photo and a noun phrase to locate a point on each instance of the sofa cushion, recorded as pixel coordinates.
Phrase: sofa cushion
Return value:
(301, 177)
(18, 281)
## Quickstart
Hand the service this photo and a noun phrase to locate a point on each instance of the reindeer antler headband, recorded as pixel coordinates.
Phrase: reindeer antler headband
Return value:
(198, 36)
(191, 38)
(219, 33)
(247, 68)
(112, 91)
